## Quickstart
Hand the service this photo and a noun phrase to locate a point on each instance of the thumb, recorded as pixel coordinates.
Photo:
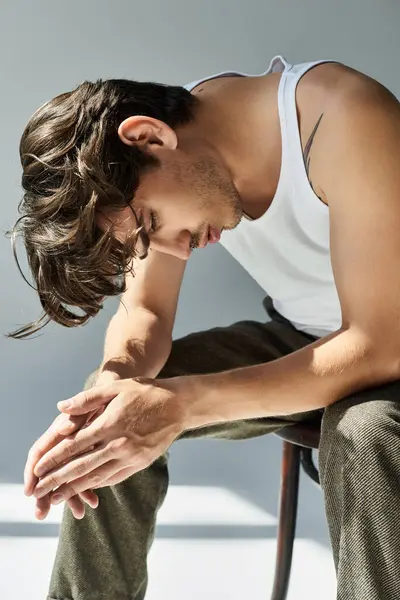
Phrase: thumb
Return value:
(88, 400)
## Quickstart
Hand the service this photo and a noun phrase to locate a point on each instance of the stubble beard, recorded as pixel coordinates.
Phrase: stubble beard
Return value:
(208, 184)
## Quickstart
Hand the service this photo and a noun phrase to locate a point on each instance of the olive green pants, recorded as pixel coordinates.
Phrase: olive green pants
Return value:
(104, 555)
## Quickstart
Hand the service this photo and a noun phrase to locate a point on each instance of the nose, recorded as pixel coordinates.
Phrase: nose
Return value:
(179, 247)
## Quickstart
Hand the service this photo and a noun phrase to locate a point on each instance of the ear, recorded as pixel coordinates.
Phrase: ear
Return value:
(148, 133)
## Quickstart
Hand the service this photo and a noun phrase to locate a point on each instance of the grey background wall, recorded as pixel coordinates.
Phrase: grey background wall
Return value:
(49, 47)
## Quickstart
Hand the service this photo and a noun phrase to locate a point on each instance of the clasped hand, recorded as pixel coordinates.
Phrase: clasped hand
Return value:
(140, 420)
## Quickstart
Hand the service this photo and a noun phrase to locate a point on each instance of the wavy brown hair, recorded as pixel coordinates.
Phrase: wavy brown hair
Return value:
(74, 167)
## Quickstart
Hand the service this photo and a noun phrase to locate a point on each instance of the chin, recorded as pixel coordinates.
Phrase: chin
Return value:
(230, 226)
(235, 219)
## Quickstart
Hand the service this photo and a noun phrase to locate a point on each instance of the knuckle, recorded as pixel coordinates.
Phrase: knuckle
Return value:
(68, 491)
(58, 421)
(71, 448)
(52, 463)
(53, 481)
(64, 420)
(85, 397)
(118, 445)
(130, 448)
(96, 433)
(95, 480)
(80, 469)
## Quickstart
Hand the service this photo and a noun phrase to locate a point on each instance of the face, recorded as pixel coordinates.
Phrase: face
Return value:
(186, 203)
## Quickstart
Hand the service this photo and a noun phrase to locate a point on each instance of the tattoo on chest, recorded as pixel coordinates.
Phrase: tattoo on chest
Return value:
(307, 149)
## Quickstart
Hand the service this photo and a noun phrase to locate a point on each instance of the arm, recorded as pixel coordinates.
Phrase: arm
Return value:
(138, 342)
(308, 379)
(359, 173)
(139, 336)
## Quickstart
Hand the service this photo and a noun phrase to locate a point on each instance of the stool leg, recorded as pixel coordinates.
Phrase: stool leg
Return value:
(288, 500)
(306, 460)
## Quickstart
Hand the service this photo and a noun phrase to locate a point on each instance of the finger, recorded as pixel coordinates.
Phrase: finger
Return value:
(76, 503)
(91, 416)
(77, 507)
(71, 424)
(70, 448)
(89, 399)
(93, 479)
(47, 441)
(42, 508)
(75, 422)
(118, 477)
(74, 469)
(90, 498)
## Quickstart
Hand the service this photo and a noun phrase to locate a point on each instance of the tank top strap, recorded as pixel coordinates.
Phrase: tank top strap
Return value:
(277, 65)
(293, 166)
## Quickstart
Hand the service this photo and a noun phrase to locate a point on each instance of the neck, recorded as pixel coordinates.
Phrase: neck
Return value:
(238, 118)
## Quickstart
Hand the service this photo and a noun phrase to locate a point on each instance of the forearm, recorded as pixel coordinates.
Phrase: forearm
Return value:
(137, 344)
(311, 378)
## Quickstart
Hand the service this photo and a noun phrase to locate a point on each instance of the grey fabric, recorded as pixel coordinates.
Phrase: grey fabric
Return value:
(360, 468)
(104, 556)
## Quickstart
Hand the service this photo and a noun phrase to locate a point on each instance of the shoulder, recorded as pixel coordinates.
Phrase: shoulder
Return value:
(334, 80)
(363, 116)
(361, 94)
(350, 94)
(338, 91)
(360, 121)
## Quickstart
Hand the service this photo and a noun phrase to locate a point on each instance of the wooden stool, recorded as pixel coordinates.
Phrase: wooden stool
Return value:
(298, 444)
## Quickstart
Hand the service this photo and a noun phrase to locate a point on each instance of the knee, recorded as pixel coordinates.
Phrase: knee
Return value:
(357, 430)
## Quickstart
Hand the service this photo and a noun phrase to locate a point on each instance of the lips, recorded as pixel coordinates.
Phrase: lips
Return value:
(214, 235)
(211, 236)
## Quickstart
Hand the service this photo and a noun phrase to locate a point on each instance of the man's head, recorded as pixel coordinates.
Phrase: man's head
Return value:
(109, 169)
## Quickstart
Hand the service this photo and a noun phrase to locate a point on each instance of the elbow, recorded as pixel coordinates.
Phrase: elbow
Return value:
(388, 364)
(373, 356)
(384, 358)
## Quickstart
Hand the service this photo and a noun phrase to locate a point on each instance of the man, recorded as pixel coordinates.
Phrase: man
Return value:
(296, 173)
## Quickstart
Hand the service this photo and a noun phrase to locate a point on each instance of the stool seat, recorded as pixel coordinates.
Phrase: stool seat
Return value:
(306, 435)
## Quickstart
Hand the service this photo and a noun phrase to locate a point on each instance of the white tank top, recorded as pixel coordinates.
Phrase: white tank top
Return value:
(286, 250)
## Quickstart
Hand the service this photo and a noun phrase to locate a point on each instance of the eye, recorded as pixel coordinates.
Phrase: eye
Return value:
(153, 223)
